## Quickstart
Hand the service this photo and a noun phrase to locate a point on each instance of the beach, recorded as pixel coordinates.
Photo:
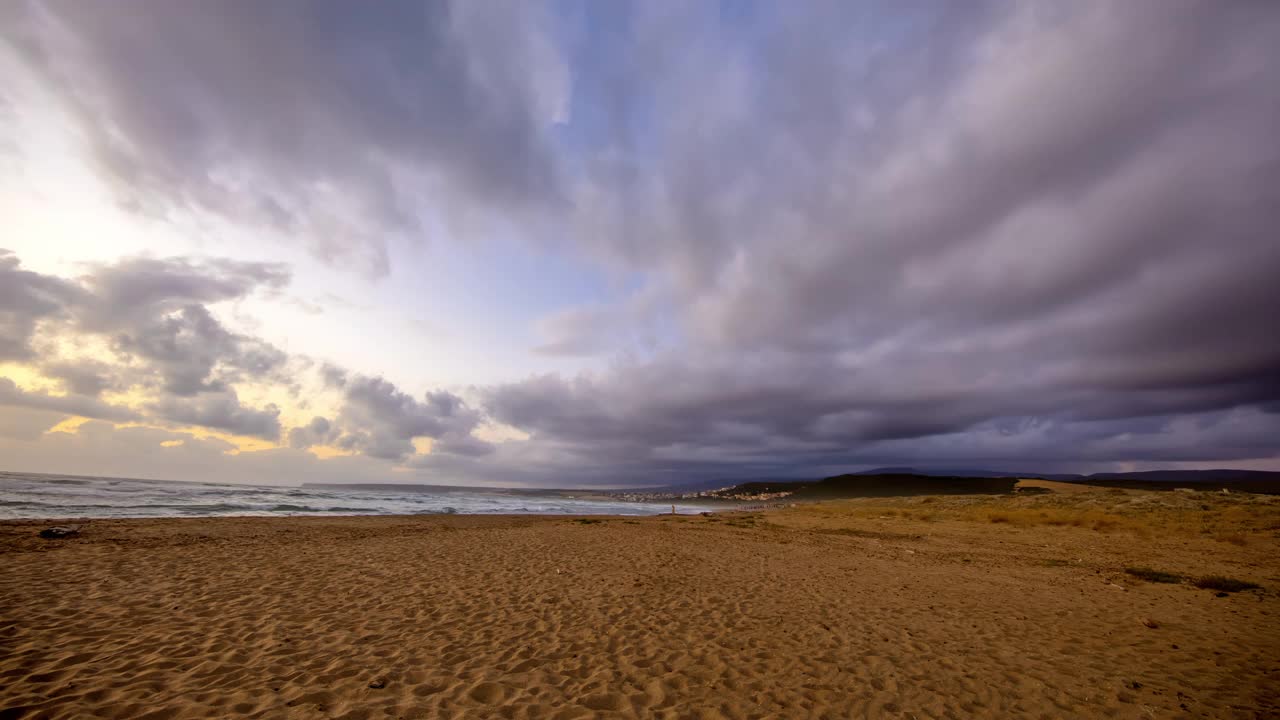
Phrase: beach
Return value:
(922, 607)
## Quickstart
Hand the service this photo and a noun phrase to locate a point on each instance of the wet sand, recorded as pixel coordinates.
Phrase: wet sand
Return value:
(917, 608)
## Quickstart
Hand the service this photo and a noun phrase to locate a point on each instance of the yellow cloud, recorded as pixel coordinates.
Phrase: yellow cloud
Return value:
(324, 452)
(422, 445)
(70, 426)
(29, 380)
(240, 443)
(132, 398)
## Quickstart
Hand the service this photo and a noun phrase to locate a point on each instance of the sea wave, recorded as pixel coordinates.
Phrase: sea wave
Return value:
(58, 497)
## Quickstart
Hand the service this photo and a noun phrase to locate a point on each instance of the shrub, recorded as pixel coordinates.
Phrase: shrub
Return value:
(1155, 576)
(1224, 584)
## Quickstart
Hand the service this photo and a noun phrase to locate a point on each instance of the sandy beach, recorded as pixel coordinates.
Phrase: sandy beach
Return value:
(934, 607)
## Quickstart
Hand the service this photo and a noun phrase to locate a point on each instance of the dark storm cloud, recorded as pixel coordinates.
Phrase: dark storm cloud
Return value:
(1055, 215)
(333, 122)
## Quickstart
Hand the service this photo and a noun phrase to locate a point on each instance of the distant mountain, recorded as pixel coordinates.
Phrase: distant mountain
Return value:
(887, 482)
(1182, 476)
(1250, 481)
(1189, 475)
(967, 472)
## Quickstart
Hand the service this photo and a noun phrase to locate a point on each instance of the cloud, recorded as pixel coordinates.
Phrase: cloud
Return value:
(1029, 233)
(27, 424)
(168, 348)
(381, 421)
(324, 122)
(639, 323)
(317, 432)
(82, 376)
(100, 449)
(156, 310)
(221, 410)
(26, 298)
(165, 343)
(1055, 215)
(576, 331)
(13, 396)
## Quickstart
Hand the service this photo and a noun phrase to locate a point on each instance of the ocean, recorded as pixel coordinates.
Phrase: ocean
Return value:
(35, 496)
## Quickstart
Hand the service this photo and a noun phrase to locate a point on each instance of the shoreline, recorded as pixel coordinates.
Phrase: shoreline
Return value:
(924, 607)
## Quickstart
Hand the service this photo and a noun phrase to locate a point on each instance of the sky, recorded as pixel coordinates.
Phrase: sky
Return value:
(574, 244)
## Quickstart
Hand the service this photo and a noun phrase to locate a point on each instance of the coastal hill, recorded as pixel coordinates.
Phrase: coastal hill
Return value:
(886, 485)
(890, 482)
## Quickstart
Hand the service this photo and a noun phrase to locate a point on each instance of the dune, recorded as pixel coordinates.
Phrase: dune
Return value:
(922, 607)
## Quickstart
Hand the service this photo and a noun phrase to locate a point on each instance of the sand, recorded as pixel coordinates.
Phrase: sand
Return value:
(920, 609)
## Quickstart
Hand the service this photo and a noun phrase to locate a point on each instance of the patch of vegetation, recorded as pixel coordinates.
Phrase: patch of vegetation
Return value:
(742, 520)
(1233, 538)
(1230, 519)
(872, 534)
(1155, 576)
(587, 521)
(1224, 584)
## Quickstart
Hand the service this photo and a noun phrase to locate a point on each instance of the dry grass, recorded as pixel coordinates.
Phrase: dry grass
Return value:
(876, 535)
(1234, 538)
(1232, 519)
